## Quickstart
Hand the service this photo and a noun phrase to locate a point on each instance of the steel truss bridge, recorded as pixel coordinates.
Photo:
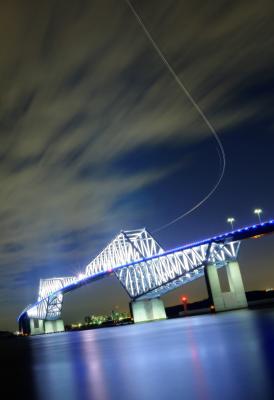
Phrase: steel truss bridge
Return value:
(143, 267)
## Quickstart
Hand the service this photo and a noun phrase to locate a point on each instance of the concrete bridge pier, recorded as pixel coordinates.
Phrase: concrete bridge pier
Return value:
(54, 326)
(36, 326)
(148, 310)
(40, 326)
(235, 298)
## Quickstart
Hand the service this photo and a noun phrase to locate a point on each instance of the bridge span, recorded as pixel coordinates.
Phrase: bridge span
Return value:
(147, 272)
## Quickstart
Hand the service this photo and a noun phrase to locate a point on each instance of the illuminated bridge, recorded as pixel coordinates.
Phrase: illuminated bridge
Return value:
(146, 271)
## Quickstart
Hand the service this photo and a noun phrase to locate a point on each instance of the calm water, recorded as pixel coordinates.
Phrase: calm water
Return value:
(224, 356)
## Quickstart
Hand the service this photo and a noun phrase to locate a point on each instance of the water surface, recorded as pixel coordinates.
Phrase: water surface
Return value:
(223, 356)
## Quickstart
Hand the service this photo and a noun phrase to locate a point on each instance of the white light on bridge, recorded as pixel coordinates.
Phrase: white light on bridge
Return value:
(80, 277)
(231, 221)
(258, 211)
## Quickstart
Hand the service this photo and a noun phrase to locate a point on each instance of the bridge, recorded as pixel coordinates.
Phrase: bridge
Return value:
(147, 272)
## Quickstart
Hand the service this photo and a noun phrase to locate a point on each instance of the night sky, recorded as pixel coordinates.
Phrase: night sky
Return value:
(96, 137)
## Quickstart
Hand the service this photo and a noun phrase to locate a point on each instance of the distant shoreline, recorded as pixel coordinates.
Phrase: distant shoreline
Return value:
(257, 299)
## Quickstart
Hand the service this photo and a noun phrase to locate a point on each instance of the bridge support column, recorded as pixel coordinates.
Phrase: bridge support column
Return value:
(148, 310)
(222, 301)
(54, 326)
(36, 326)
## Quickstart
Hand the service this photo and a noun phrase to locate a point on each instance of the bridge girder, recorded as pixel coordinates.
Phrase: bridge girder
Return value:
(50, 301)
(164, 273)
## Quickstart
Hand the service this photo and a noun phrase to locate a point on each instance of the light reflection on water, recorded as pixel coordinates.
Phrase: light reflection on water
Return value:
(220, 356)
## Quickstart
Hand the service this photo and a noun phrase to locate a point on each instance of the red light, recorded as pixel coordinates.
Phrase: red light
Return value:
(184, 299)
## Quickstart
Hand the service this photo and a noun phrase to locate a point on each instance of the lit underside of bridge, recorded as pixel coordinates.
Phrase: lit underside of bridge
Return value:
(144, 269)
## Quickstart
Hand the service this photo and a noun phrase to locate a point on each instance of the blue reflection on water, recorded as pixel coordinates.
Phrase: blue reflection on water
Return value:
(222, 356)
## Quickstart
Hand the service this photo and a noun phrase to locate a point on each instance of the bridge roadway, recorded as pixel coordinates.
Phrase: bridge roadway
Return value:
(177, 267)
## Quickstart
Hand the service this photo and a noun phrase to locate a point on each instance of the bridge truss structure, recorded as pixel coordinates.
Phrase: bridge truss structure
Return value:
(143, 267)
